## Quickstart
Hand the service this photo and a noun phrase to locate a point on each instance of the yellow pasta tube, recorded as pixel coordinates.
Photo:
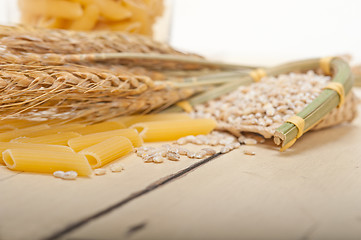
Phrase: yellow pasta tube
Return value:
(112, 10)
(19, 123)
(51, 22)
(5, 130)
(45, 161)
(84, 2)
(130, 120)
(173, 130)
(140, 14)
(101, 127)
(126, 26)
(56, 129)
(7, 136)
(106, 151)
(155, 7)
(54, 148)
(54, 8)
(6, 127)
(82, 142)
(88, 20)
(61, 138)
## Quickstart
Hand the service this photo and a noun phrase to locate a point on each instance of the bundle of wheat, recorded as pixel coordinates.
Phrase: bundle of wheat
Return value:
(68, 92)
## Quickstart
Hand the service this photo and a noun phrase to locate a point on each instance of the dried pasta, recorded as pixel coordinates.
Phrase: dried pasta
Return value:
(106, 151)
(130, 120)
(132, 16)
(54, 8)
(88, 20)
(126, 26)
(56, 129)
(54, 148)
(7, 136)
(82, 142)
(45, 161)
(18, 123)
(61, 138)
(6, 127)
(173, 130)
(101, 127)
(112, 11)
(140, 15)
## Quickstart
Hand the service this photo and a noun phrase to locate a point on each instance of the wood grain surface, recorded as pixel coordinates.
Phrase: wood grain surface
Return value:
(311, 191)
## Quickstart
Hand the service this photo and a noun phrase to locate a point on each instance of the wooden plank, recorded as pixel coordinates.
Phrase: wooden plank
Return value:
(312, 191)
(41, 205)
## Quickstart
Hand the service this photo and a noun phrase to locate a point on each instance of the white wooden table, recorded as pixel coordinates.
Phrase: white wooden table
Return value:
(312, 191)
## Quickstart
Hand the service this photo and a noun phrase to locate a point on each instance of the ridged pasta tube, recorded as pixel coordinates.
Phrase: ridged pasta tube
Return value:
(82, 142)
(101, 127)
(130, 120)
(9, 145)
(7, 136)
(54, 139)
(54, 8)
(107, 151)
(173, 130)
(45, 161)
(56, 129)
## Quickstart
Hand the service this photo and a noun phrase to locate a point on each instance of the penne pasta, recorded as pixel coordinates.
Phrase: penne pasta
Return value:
(126, 26)
(155, 7)
(88, 20)
(54, 148)
(45, 161)
(56, 129)
(130, 120)
(107, 151)
(173, 130)
(19, 123)
(61, 138)
(54, 8)
(112, 11)
(140, 14)
(84, 2)
(101, 127)
(6, 127)
(51, 22)
(7, 136)
(80, 143)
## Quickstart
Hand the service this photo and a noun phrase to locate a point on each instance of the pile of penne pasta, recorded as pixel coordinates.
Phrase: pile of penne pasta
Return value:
(47, 147)
(133, 16)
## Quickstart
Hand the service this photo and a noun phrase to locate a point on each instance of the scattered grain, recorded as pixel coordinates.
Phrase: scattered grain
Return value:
(99, 171)
(225, 149)
(116, 167)
(250, 141)
(173, 156)
(209, 151)
(59, 174)
(158, 159)
(247, 152)
(70, 175)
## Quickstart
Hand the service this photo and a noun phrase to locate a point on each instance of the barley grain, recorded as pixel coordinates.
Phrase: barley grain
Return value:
(99, 171)
(70, 175)
(173, 157)
(116, 167)
(247, 152)
(209, 151)
(59, 174)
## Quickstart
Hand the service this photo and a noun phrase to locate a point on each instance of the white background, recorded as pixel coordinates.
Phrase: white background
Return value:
(261, 32)
(267, 32)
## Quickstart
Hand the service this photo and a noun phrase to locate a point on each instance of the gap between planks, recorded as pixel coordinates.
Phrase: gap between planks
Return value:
(131, 197)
